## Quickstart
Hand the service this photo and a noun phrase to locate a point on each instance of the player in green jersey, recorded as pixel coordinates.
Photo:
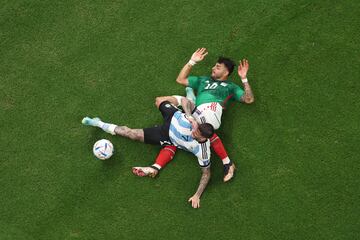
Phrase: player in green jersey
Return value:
(213, 93)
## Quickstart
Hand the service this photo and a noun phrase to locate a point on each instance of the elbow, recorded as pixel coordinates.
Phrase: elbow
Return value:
(158, 101)
(249, 100)
(181, 81)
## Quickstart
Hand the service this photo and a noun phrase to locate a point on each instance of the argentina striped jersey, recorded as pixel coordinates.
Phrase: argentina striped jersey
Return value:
(180, 136)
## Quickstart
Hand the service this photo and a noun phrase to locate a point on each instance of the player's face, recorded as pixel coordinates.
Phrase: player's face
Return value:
(219, 71)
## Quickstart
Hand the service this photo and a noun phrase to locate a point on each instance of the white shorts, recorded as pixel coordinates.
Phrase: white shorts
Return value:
(209, 113)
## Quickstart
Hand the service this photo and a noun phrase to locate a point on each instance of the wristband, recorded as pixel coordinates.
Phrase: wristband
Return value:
(244, 80)
(191, 62)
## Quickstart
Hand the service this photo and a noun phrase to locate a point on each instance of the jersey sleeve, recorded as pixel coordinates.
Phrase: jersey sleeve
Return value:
(202, 152)
(238, 93)
(194, 82)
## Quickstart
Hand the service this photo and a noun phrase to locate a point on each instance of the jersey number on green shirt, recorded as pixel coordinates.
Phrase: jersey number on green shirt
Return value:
(211, 86)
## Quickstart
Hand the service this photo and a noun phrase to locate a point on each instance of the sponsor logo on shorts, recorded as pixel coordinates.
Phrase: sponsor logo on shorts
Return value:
(165, 143)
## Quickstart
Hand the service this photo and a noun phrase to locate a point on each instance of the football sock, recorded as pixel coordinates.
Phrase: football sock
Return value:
(109, 128)
(96, 122)
(156, 166)
(190, 94)
(165, 156)
(218, 146)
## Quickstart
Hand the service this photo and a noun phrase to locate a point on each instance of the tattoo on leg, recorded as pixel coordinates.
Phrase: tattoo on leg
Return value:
(133, 134)
(205, 177)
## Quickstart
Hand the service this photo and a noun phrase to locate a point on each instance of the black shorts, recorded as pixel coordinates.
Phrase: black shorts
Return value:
(159, 135)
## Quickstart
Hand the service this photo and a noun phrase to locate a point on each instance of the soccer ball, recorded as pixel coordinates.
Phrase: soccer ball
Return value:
(103, 149)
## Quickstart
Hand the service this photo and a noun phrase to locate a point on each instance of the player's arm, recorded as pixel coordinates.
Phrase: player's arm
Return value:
(205, 177)
(248, 96)
(187, 106)
(197, 56)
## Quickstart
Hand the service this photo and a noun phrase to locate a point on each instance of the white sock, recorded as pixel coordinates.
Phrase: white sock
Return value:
(99, 124)
(156, 166)
(109, 128)
(226, 160)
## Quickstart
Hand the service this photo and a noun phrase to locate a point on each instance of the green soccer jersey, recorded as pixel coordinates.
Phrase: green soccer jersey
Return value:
(209, 90)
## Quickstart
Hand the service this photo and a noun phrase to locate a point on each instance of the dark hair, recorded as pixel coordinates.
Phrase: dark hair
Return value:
(206, 130)
(229, 64)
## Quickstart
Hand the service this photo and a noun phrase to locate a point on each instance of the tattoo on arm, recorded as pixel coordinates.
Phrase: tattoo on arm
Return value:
(205, 177)
(248, 97)
(187, 106)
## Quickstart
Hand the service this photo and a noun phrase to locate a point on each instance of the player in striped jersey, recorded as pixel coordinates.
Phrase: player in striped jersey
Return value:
(179, 130)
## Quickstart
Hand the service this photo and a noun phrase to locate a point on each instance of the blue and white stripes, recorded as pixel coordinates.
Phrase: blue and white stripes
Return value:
(180, 136)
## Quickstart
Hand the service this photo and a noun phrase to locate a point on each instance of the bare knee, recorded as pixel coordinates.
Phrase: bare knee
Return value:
(159, 100)
(171, 99)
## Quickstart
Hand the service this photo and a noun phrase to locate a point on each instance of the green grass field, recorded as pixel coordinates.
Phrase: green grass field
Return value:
(296, 147)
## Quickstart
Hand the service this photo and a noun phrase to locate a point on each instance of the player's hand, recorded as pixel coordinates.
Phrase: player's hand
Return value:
(199, 54)
(195, 201)
(243, 68)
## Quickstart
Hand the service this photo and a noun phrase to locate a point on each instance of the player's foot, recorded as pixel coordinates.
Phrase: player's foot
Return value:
(91, 121)
(229, 170)
(190, 94)
(145, 171)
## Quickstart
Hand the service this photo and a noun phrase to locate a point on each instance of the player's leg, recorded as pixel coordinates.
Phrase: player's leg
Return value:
(171, 99)
(96, 122)
(175, 100)
(159, 135)
(166, 154)
(219, 149)
(190, 94)
(134, 134)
